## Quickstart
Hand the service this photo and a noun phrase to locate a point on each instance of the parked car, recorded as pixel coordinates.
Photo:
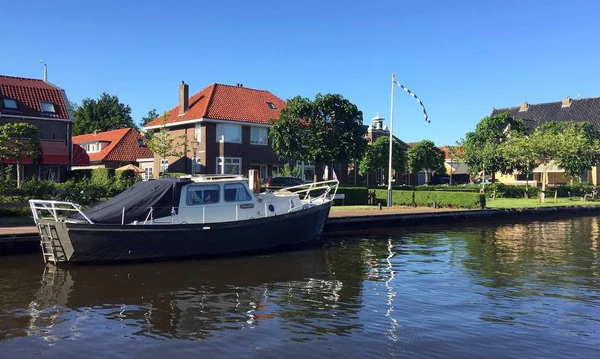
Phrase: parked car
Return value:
(283, 181)
(486, 181)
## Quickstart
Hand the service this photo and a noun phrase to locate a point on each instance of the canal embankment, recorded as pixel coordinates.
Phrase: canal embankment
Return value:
(24, 238)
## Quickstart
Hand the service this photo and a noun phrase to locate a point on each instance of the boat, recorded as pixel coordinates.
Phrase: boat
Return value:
(192, 216)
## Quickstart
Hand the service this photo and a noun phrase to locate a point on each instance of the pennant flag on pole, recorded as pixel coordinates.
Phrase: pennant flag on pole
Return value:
(416, 98)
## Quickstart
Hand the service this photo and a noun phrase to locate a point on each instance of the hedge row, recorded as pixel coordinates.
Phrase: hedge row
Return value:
(433, 198)
(500, 190)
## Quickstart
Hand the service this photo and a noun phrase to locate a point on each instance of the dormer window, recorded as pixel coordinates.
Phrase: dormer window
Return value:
(48, 107)
(92, 147)
(10, 104)
(271, 105)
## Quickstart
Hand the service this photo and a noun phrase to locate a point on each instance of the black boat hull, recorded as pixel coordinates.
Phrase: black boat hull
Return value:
(96, 243)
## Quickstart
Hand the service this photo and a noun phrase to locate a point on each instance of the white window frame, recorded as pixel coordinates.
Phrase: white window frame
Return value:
(148, 172)
(163, 165)
(237, 186)
(222, 135)
(306, 166)
(198, 132)
(51, 108)
(233, 161)
(92, 147)
(203, 187)
(6, 101)
(255, 136)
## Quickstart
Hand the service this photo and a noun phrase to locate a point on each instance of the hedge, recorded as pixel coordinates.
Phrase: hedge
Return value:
(437, 198)
(354, 195)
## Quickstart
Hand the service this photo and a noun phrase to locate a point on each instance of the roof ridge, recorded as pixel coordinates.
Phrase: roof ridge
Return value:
(22, 78)
(241, 87)
(116, 129)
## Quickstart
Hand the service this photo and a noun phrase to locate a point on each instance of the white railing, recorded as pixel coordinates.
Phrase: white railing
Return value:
(329, 189)
(57, 209)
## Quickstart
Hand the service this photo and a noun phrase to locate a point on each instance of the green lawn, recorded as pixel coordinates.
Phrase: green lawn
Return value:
(534, 202)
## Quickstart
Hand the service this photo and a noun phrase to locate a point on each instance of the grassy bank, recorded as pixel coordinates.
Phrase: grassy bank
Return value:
(502, 203)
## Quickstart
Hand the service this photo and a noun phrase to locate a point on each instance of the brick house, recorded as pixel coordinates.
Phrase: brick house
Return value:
(534, 115)
(375, 130)
(45, 106)
(116, 148)
(227, 125)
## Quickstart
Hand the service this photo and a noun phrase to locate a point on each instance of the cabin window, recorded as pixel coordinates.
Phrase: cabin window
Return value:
(229, 165)
(258, 136)
(236, 192)
(202, 194)
(229, 133)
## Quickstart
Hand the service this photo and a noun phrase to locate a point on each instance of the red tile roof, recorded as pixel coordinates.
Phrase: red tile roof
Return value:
(225, 102)
(459, 151)
(122, 145)
(29, 93)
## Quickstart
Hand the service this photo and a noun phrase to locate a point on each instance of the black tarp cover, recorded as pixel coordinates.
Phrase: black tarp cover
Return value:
(162, 195)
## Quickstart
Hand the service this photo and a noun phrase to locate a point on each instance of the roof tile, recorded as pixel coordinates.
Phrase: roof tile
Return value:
(225, 102)
(122, 145)
(29, 93)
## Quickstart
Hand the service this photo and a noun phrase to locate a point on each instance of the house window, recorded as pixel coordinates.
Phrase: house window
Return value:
(258, 136)
(229, 165)
(92, 147)
(202, 194)
(229, 133)
(308, 170)
(524, 177)
(48, 107)
(10, 104)
(164, 165)
(271, 105)
(197, 131)
(49, 173)
(235, 192)
(148, 173)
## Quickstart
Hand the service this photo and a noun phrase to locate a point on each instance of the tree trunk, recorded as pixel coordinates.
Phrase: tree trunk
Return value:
(18, 173)
(426, 177)
(451, 171)
(543, 193)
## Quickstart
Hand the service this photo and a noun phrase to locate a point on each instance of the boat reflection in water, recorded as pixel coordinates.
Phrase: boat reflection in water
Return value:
(189, 300)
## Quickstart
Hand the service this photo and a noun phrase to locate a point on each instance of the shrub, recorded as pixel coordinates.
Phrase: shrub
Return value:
(172, 174)
(428, 198)
(124, 180)
(103, 177)
(354, 195)
(35, 188)
(510, 191)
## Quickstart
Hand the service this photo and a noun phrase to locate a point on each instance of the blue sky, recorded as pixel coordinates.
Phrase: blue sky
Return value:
(462, 58)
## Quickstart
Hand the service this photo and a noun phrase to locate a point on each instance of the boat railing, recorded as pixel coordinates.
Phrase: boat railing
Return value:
(315, 190)
(57, 209)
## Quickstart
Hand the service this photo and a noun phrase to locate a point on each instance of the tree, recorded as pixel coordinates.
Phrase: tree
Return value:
(425, 156)
(377, 156)
(521, 156)
(454, 153)
(288, 171)
(104, 114)
(166, 145)
(326, 130)
(489, 133)
(152, 115)
(17, 141)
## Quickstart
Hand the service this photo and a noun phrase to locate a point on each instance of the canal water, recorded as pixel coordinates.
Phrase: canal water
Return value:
(492, 290)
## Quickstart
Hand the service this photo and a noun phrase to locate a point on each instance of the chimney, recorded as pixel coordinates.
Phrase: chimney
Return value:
(184, 92)
(566, 102)
(95, 132)
(524, 107)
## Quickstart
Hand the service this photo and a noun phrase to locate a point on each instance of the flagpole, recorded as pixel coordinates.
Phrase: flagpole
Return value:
(389, 194)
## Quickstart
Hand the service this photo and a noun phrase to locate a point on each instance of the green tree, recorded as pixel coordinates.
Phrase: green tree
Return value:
(326, 130)
(17, 141)
(425, 156)
(165, 145)
(454, 154)
(521, 156)
(288, 171)
(377, 156)
(152, 115)
(104, 114)
(481, 147)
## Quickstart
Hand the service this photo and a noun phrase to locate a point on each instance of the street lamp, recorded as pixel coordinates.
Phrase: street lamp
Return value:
(195, 144)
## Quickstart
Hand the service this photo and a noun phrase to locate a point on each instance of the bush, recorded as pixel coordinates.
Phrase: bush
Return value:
(102, 176)
(354, 195)
(124, 180)
(35, 188)
(510, 191)
(429, 198)
(172, 174)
